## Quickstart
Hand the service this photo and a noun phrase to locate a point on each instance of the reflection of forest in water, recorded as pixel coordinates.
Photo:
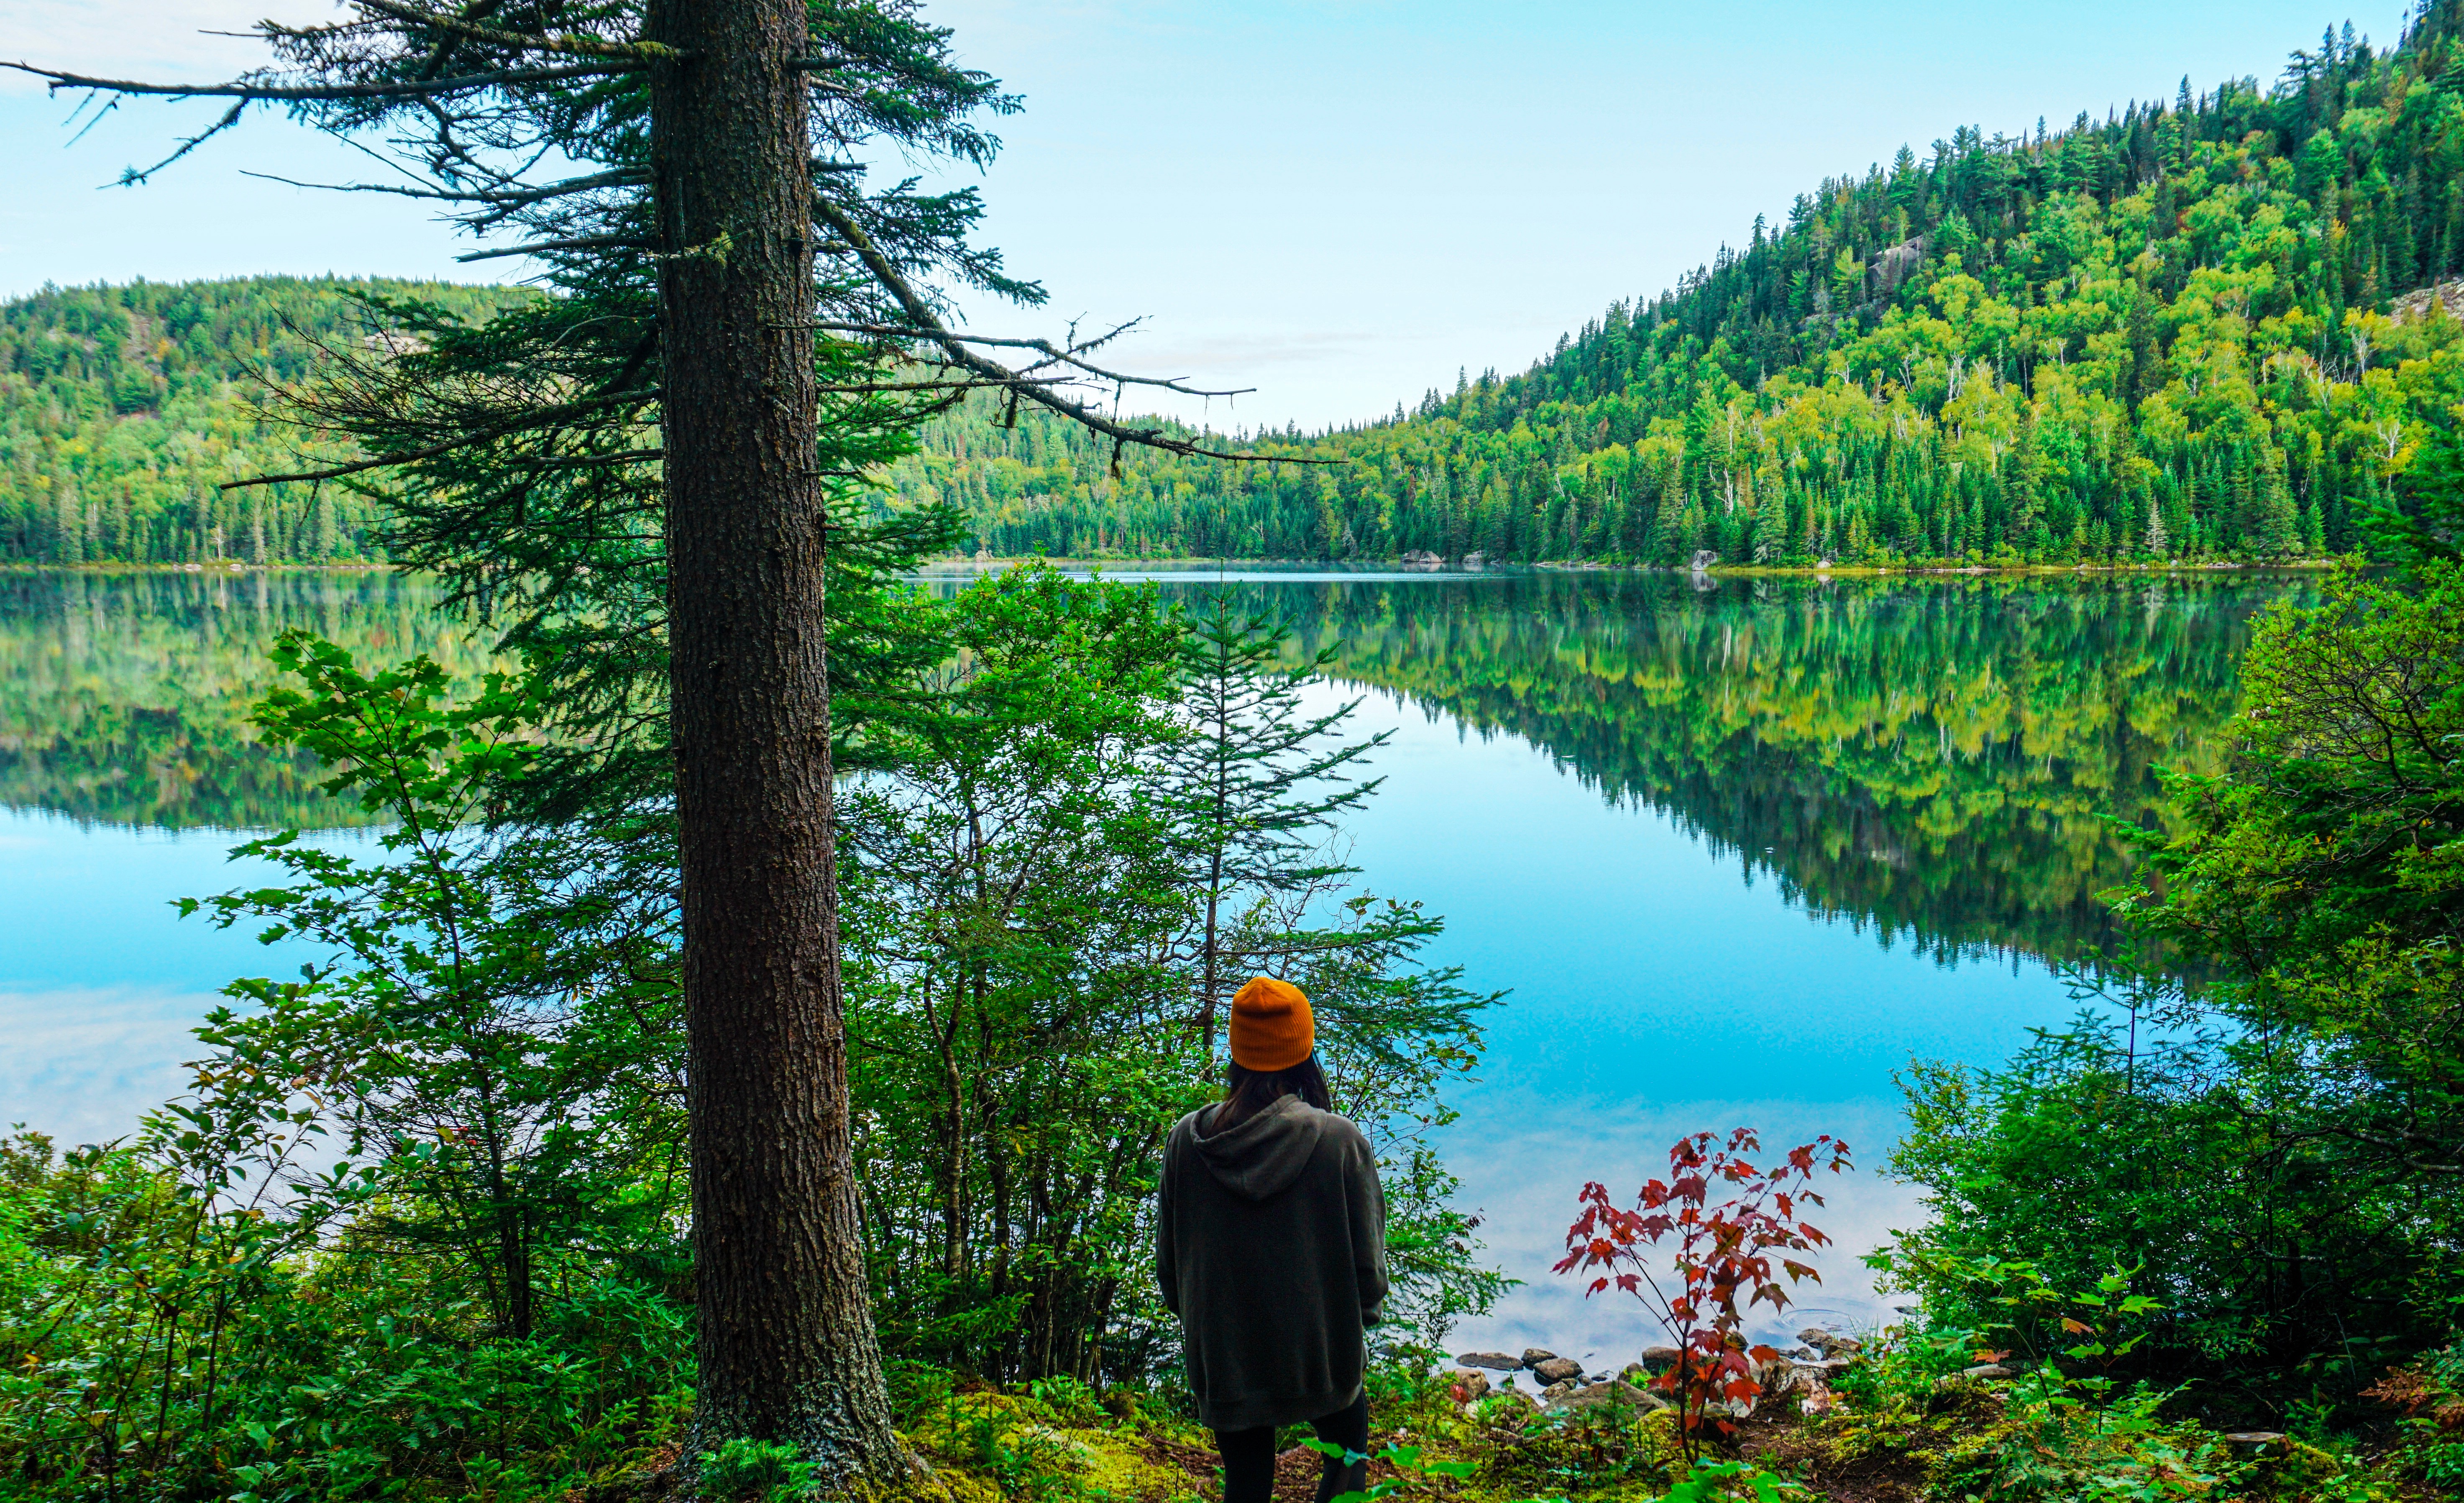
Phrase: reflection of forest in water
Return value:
(124, 697)
(1936, 757)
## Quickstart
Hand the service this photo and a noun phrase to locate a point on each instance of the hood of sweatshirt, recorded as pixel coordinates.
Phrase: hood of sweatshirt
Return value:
(1265, 1153)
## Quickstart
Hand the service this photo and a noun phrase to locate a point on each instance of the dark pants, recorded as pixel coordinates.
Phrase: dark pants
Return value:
(1249, 1456)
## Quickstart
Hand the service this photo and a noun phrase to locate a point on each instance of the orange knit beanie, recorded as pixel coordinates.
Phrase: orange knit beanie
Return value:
(1271, 1027)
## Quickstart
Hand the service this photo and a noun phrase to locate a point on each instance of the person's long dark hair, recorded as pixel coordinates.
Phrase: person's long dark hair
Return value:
(1248, 1092)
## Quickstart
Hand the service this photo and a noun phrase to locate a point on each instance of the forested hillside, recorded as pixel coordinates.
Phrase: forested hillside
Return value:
(122, 410)
(2179, 332)
(2216, 326)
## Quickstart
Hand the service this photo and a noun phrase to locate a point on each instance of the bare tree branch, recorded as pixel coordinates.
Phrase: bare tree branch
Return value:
(576, 243)
(495, 197)
(869, 386)
(919, 313)
(134, 177)
(1068, 355)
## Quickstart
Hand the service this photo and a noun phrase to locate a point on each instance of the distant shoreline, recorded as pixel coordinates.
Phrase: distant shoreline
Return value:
(2172, 567)
(224, 570)
(1713, 572)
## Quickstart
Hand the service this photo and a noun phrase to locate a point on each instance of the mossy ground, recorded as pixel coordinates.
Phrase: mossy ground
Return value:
(1897, 1432)
(1071, 1446)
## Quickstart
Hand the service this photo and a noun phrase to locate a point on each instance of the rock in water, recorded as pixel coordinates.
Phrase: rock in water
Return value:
(1623, 1395)
(1558, 1369)
(1535, 1356)
(1498, 1360)
(1830, 1344)
(1660, 1358)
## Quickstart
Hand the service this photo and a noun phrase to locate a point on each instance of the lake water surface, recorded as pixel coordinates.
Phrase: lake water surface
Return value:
(1741, 850)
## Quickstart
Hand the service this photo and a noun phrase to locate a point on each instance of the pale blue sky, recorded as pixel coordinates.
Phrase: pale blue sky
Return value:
(1337, 203)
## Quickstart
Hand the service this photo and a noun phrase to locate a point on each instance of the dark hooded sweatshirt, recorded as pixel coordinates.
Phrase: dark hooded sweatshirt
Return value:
(1271, 1248)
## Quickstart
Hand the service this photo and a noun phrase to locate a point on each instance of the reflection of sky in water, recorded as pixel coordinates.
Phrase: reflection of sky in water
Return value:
(100, 979)
(1655, 992)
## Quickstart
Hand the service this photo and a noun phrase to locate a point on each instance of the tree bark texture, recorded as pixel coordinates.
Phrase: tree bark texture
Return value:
(783, 1328)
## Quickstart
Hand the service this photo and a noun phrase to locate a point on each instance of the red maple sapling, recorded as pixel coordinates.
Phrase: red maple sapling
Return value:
(1720, 1251)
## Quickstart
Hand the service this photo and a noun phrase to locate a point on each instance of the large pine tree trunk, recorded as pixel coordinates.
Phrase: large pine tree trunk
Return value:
(784, 1329)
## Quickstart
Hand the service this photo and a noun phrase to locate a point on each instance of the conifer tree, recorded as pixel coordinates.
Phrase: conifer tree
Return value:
(1260, 782)
(646, 473)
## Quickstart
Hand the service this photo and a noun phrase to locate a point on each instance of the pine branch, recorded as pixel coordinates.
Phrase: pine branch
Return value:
(495, 430)
(568, 43)
(308, 92)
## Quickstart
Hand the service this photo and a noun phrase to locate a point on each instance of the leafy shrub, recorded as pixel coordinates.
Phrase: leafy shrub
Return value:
(2054, 1446)
(151, 1345)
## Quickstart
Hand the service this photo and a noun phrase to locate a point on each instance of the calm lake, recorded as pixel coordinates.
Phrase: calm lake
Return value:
(1741, 850)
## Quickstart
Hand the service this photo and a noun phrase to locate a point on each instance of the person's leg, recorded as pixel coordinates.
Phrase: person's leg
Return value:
(1248, 1463)
(1349, 1428)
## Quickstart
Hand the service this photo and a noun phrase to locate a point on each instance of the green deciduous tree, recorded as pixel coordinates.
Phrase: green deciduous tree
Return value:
(2280, 1136)
(492, 1050)
(1028, 880)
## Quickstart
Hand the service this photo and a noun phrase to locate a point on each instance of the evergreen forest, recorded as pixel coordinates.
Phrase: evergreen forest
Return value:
(124, 409)
(2212, 327)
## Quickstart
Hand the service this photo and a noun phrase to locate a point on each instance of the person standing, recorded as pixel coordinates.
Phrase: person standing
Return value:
(1272, 1248)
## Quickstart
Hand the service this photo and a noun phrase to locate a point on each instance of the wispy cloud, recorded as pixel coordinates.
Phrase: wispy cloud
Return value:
(84, 1064)
(1237, 351)
(152, 39)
